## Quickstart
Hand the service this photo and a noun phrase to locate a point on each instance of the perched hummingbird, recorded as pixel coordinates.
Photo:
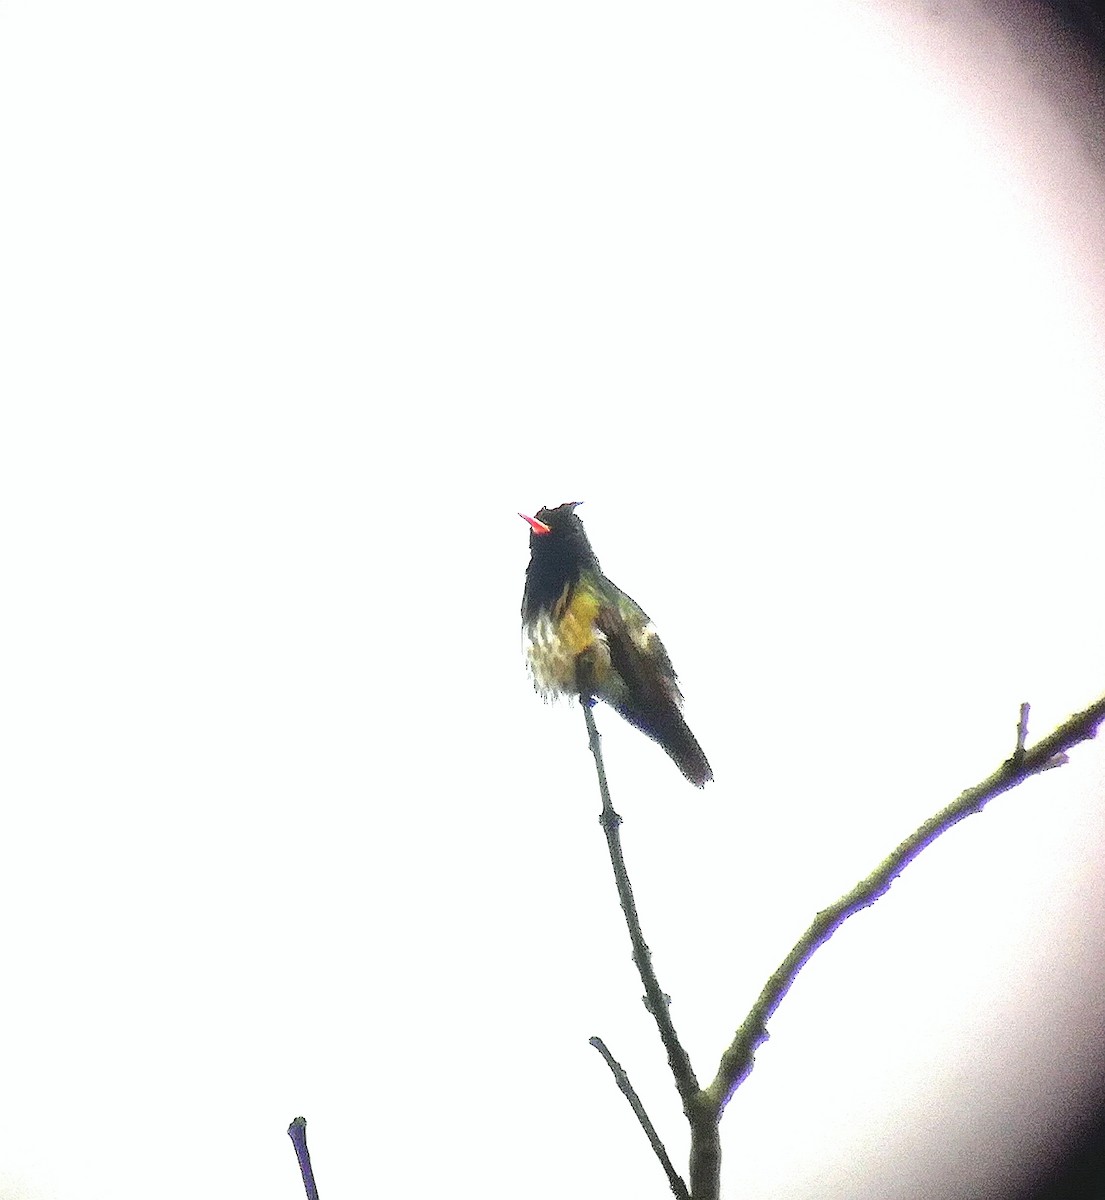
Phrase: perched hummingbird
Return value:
(585, 637)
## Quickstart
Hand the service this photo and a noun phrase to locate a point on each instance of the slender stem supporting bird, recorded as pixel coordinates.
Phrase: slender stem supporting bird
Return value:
(655, 999)
(678, 1187)
(701, 1112)
(704, 1107)
(739, 1058)
(297, 1131)
(703, 1125)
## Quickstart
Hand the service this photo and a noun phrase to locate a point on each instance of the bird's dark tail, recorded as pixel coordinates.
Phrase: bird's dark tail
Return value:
(664, 723)
(645, 691)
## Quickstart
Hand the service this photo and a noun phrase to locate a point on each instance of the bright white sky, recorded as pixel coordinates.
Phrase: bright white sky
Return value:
(301, 304)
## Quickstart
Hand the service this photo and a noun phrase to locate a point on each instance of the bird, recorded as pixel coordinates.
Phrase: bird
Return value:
(584, 636)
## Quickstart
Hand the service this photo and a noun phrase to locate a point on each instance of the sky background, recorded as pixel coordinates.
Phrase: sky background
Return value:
(301, 304)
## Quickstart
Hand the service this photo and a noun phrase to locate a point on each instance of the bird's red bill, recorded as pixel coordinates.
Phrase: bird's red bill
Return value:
(538, 527)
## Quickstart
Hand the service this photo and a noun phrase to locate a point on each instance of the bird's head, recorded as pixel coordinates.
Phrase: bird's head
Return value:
(559, 550)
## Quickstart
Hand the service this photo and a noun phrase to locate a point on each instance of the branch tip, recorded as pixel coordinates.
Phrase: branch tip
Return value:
(1022, 735)
(297, 1131)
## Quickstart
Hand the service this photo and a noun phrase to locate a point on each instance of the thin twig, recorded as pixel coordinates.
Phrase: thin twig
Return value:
(738, 1059)
(1022, 734)
(657, 1002)
(678, 1187)
(297, 1131)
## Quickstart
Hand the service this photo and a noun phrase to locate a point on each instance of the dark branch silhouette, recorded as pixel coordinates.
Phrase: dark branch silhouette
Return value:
(297, 1131)
(678, 1187)
(738, 1059)
(704, 1107)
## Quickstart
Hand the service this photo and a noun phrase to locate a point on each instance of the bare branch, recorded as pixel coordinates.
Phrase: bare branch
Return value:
(1022, 734)
(297, 1131)
(656, 1001)
(678, 1187)
(738, 1059)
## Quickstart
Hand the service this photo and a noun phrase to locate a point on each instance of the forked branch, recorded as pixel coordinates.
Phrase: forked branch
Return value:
(703, 1107)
